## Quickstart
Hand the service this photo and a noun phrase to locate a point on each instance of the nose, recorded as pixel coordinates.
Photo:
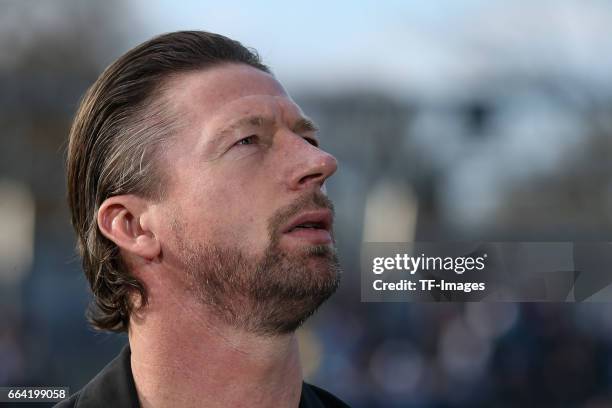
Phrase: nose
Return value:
(312, 166)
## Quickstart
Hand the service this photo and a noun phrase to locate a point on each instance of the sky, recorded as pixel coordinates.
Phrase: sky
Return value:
(401, 46)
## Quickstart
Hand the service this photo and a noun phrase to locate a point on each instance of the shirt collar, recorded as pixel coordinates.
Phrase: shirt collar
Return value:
(114, 387)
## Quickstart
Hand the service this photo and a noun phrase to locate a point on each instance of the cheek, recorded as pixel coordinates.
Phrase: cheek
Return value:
(227, 202)
(230, 214)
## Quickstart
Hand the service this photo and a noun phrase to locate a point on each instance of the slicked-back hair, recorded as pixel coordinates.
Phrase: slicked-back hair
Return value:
(122, 120)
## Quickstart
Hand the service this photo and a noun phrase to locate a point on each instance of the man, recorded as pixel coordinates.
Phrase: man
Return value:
(197, 192)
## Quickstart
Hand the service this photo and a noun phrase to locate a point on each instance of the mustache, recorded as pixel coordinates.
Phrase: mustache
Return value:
(312, 201)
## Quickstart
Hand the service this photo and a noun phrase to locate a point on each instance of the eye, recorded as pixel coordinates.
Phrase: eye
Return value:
(312, 141)
(249, 140)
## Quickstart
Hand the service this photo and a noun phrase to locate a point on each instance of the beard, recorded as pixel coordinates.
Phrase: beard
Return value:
(268, 295)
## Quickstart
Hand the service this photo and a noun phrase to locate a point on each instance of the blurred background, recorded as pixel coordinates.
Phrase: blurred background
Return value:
(452, 120)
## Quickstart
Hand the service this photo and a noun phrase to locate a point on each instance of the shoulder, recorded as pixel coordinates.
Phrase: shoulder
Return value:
(314, 396)
(112, 387)
(70, 402)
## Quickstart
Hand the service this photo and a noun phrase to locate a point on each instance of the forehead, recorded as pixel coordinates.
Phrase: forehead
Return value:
(216, 95)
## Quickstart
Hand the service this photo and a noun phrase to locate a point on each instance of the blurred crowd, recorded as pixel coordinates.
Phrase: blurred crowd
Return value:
(516, 155)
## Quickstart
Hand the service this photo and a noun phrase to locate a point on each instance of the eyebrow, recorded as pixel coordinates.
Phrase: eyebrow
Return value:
(302, 125)
(258, 121)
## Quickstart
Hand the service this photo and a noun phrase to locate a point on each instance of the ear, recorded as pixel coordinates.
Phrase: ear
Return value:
(124, 220)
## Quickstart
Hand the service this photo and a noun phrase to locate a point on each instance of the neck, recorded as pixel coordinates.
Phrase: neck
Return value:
(183, 356)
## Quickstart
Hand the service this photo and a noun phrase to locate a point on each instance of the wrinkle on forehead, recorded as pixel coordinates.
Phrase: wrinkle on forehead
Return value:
(274, 107)
(210, 98)
(211, 88)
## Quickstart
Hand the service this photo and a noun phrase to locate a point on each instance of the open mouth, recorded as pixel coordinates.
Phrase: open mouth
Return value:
(313, 226)
(309, 225)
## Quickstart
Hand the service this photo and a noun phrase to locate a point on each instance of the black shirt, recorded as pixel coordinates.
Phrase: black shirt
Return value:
(114, 387)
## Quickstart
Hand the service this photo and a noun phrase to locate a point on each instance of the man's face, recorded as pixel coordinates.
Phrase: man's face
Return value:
(245, 220)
